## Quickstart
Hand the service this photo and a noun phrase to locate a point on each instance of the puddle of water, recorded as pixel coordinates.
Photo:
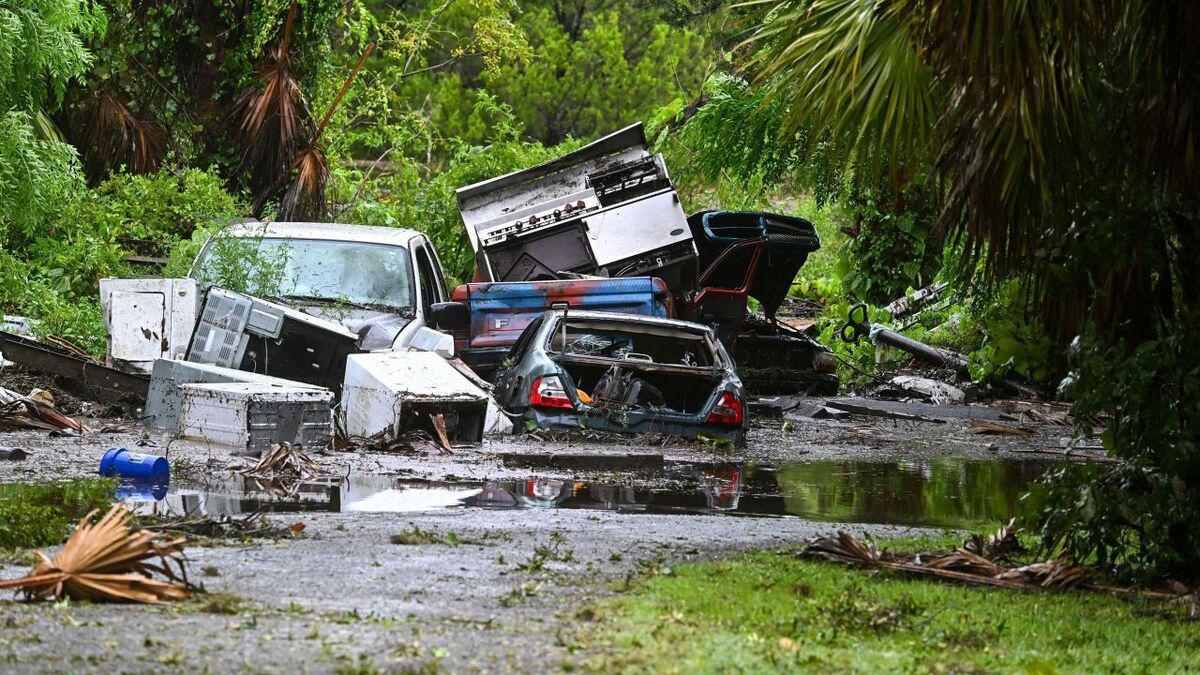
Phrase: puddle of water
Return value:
(941, 492)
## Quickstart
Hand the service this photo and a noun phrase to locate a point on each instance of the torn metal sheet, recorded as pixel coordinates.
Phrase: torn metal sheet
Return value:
(255, 415)
(936, 392)
(390, 393)
(148, 319)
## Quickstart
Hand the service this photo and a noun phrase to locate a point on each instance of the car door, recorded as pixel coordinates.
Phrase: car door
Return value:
(430, 285)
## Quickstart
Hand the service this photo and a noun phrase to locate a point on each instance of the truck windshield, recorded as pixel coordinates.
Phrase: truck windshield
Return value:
(352, 273)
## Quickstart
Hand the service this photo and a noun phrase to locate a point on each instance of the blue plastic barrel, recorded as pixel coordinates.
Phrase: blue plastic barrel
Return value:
(135, 466)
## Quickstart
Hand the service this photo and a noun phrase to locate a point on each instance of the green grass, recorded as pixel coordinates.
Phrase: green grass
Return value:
(767, 611)
(43, 514)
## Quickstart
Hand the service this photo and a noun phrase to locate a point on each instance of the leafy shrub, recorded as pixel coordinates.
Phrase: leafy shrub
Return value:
(1136, 517)
(54, 277)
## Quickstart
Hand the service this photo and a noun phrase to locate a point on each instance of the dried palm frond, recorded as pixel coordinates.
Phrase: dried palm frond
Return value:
(272, 121)
(284, 462)
(1002, 543)
(1049, 574)
(963, 560)
(845, 547)
(106, 560)
(305, 198)
(117, 137)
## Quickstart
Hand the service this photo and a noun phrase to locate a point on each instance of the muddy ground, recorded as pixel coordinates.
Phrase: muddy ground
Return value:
(494, 590)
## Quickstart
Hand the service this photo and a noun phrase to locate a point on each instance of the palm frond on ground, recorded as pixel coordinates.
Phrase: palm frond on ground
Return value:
(107, 560)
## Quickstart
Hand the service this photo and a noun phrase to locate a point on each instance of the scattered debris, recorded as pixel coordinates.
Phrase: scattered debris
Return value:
(875, 411)
(1045, 412)
(929, 390)
(107, 560)
(986, 427)
(35, 411)
(222, 526)
(284, 462)
(12, 454)
(256, 416)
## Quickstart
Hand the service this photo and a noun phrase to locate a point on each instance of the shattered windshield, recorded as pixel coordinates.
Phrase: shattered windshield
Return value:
(652, 344)
(345, 272)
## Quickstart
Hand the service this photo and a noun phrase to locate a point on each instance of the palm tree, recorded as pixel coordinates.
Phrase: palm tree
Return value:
(1061, 135)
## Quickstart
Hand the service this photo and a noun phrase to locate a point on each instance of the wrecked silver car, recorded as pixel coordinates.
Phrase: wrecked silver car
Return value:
(623, 373)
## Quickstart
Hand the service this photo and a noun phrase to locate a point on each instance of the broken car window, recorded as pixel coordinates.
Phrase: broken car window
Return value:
(632, 343)
(339, 271)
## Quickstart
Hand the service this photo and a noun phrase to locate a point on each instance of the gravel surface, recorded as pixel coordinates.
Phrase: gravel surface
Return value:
(342, 595)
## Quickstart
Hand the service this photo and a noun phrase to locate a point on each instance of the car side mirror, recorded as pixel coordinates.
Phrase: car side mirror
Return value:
(450, 315)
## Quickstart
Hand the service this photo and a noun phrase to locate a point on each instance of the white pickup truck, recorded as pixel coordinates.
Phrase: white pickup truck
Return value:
(378, 282)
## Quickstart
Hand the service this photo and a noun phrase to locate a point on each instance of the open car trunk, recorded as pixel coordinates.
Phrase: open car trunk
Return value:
(620, 383)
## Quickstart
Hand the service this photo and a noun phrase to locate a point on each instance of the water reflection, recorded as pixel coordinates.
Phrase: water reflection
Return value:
(941, 492)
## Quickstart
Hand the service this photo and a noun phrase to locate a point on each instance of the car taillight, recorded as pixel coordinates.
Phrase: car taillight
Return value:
(728, 411)
(548, 392)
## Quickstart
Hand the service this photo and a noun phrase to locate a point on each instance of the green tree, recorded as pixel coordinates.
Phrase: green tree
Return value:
(41, 50)
(1059, 141)
(600, 65)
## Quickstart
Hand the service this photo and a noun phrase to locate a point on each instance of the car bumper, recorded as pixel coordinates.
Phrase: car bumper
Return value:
(633, 422)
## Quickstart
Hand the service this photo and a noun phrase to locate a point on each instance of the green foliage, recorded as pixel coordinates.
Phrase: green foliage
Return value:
(54, 278)
(596, 68)
(1136, 517)
(430, 206)
(43, 514)
(770, 612)
(41, 50)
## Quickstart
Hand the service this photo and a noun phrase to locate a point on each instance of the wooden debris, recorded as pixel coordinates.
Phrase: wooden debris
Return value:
(35, 411)
(977, 566)
(107, 560)
(439, 425)
(986, 427)
(284, 462)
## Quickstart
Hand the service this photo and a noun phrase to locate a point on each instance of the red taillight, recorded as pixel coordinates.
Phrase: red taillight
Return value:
(548, 392)
(728, 411)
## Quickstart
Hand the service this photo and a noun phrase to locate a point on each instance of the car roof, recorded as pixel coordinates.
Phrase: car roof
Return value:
(395, 236)
(616, 317)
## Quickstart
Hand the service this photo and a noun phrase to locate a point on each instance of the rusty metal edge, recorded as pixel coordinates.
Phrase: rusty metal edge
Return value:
(46, 359)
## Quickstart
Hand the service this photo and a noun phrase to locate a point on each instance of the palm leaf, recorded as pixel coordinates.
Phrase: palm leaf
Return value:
(116, 137)
(271, 121)
(106, 560)
(305, 198)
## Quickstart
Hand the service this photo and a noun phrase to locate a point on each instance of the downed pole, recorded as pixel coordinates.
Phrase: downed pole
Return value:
(109, 561)
(977, 563)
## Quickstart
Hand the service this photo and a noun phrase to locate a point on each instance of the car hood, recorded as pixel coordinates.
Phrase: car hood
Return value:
(376, 329)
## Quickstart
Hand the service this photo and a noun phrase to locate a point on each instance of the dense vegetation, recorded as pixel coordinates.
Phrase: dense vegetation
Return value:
(1040, 156)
